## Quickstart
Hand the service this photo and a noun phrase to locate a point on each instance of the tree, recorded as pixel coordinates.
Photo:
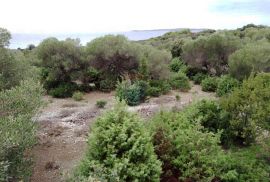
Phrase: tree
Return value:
(210, 53)
(251, 58)
(5, 36)
(60, 60)
(113, 55)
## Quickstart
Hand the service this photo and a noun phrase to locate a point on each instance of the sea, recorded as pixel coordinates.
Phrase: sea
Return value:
(22, 40)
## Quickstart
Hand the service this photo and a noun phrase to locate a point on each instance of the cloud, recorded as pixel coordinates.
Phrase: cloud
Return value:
(67, 16)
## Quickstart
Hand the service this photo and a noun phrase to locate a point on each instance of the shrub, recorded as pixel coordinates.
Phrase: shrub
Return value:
(63, 90)
(209, 84)
(121, 149)
(180, 81)
(17, 108)
(198, 78)
(107, 85)
(154, 91)
(226, 84)
(187, 153)
(132, 94)
(249, 108)
(77, 96)
(177, 97)
(252, 57)
(101, 103)
(177, 65)
(163, 85)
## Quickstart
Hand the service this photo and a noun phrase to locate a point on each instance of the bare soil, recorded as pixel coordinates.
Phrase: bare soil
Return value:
(64, 126)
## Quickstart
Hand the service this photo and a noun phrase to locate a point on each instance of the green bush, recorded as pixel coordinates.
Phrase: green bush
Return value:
(198, 78)
(107, 85)
(251, 58)
(120, 148)
(17, 129)
(77, 96)
(226, 84)
(154, 91)
(101, 103)
(63, 90)
(177, 65)
(187, 153)
(130, 93)
(180, 81)
(163, 85)
(209, 84)
(249, 108)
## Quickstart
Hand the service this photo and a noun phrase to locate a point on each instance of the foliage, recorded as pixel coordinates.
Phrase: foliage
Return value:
(113, 55)
(5, 36)
(180, 81)
(209, 84)
(186, 152)
(143, 69)
(210, 53)
(249, 108)
(132, 94)
(63, 90)
(101, 103)
(226, 84)
(162, 85)
(254, 57)
(77, 96)
(177, 97)
(198, 78)
(177, 65)
(17, 129)
(154, 91)
(121, 149)
(61, 61)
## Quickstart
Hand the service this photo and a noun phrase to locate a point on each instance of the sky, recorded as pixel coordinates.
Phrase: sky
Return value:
(88, 16)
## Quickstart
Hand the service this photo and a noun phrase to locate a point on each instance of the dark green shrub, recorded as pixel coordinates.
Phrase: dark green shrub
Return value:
(63, 90)
(130, 93)
(77, 96)
(163, 85)
(101, 103)
(248, 107)
(107, 85)
(120, 148)
(198, 78)
(226, 84)
(144, 86)
(209, 84)
(180, 81)
(154, 91)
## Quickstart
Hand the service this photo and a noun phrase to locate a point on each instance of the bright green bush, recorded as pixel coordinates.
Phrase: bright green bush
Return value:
(180, 81)
(249, 108)
(63, 90)
(177, 65)
(186, 151)
(101, 103)
(17, 129)
(198, 78)
(226, 84)
(120, 148)
(209, 84)
(77, 96)
(162, 85)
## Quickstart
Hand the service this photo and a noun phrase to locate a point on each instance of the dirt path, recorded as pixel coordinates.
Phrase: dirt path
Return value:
(64, 124)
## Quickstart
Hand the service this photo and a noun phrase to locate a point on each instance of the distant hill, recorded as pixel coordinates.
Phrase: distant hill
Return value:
(22, 40)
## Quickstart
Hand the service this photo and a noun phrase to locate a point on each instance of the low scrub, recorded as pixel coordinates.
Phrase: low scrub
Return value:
(101, 103)
(209, 84)
(180, 81)
(63, 90)
(77, 96)
(226, 84)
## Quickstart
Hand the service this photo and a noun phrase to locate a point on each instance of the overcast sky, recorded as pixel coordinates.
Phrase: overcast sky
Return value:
(79, 16)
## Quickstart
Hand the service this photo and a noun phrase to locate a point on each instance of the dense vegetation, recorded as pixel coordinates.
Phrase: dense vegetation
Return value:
(20, 98)
(226, 139)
